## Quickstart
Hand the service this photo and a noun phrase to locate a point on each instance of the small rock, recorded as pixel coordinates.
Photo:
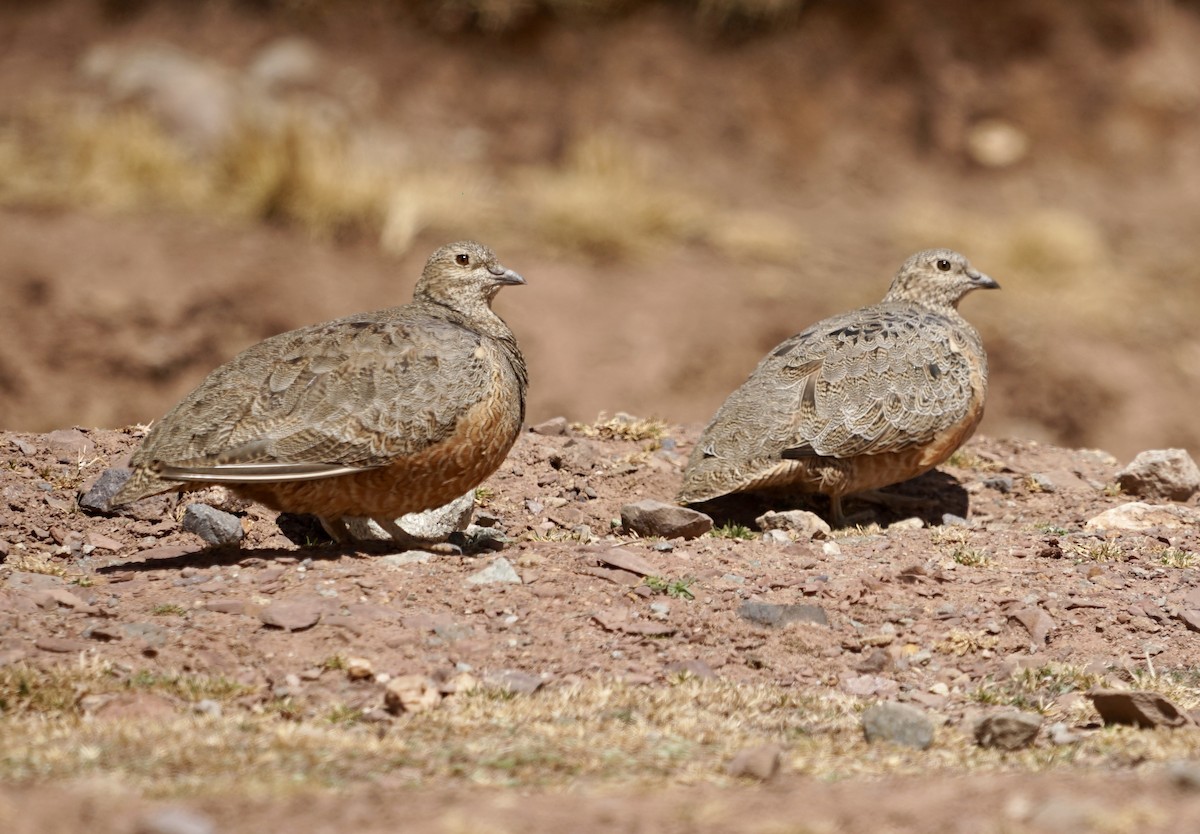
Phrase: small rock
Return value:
(514, 681)
(656, 518)
(1140, 708)
(898, 723)
(1043, 482)
(103, 542)
(619, 557)
(408, 557)
(359, 668)
(499, 571)
(174, 821)
(1161, 473)
(1190, 619)
(1060, 734)
(61, 645)
(434, 525)
(292, 616)
(218, 528)
(1037, 622)
(1137, 515)
(779, 538)
(1000, 483)
(772, 614)
(804, 524)
(1008, 730)
(761, 763)
(553, 427)
(411, 693)
(70, 445)
(97, 498)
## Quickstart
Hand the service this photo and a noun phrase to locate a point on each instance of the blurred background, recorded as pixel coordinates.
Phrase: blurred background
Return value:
(683, 184)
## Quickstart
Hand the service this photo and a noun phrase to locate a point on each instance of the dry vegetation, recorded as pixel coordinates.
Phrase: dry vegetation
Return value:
(684, 733)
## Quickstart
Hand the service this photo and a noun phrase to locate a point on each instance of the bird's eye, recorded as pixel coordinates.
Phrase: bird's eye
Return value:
(943, 265)
(462, 258)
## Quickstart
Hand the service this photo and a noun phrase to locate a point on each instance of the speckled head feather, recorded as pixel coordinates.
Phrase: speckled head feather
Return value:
(463, 276)
(938, 279)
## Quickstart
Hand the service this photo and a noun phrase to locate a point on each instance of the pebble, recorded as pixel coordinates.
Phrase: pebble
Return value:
(554, 427)
(408, 557)
(514, 681)
(1161, 473)
(498, 572)
(804, 524)
(622, 559)
(359, 668)
(1037, 622)
(898, 723)
(411, 693)
(61, 645)
(1011, 730)
(772, 614)
(70, 445)
(216, 527)
(291, 616)
(1043, 482)
(657, 518)
(761, 763)
(174, 821)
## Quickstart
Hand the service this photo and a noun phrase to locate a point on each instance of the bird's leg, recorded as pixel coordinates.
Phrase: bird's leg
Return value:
(336, 528)
(836, 517)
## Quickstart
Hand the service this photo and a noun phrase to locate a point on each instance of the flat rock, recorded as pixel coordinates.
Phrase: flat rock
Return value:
(514, 681)
(1161, 473)
(434, 525)
(761, 763)
(1140, 708)
(291, 616)
(216, 527)
(804, 524)
(772, 614)
(669, 521)
(1037, 622)
(1011, 730)
(61, 645)
(899, 724)
(622, 559)
(500, 571)
(1137, 515)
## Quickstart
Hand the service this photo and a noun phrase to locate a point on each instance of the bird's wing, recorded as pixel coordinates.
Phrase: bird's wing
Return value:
(335, 398)
(878, 380)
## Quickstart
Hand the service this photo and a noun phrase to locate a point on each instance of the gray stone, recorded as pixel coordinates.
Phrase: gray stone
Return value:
(899, 724)
(1008, 730)
(514, 681)
(218, 528)
(1161, 473)
(656, 518)
(434, 525)
(498, 572)
(771, 614)
(804, 524)
(97, 498)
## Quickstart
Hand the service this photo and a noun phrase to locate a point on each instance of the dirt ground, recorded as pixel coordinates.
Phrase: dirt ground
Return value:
(1058, 146)
(140, 650)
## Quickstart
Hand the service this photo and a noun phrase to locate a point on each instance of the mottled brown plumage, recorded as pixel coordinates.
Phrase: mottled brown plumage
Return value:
(373, 415)
(857, 401)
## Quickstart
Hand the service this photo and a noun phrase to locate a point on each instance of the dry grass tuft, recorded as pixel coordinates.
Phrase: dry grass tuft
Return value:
(622, 426)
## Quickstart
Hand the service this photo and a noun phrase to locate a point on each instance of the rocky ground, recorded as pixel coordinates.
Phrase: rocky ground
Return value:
(645, 682)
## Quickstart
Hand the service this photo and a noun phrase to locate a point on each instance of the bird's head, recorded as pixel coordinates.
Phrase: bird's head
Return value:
(937, 278)
(463, 275)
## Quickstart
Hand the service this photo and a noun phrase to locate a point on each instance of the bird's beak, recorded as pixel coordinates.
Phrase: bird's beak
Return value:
(984, 282)
(504, 275)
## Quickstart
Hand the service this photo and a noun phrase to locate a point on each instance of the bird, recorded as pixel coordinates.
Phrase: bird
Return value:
(857, 401)
(374, 415)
